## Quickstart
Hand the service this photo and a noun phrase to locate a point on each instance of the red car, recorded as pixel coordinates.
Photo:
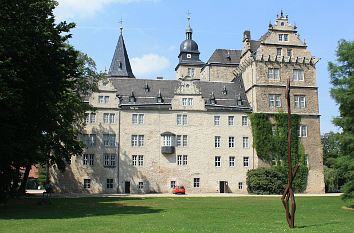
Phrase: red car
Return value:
(179, 190)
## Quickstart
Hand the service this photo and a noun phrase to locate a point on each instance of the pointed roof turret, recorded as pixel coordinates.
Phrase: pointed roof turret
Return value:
(120, 66)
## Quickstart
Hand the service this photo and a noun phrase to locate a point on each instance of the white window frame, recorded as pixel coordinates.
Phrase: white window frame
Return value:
(109, 140)
(134, 160)
(137, 119)
(182, 119)
(244, 120)
(217, 161)
(245, 143)
(246, 161)
(196, 182)
(217, 120)
(179, 160)
(109, 160)
(300, 101)
(137, 140)
(240, 185)
(231, 142)
(303, 131)
(167, 140)
(279, 52)
(140, 160)
(109, 118)
(298, 75)
(185, 160)
(217, 141)
(191, 70)
(182, 141)
(289, 52)
(274, 74)
(274, 100)
(231, 120)
(231, 161)
(173, 184)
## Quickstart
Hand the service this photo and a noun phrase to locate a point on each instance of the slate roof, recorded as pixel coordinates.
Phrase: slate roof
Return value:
(225, 56)
(120, 66)
(148, 98)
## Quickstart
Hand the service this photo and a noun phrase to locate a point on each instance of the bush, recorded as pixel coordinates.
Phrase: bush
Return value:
(273, 180)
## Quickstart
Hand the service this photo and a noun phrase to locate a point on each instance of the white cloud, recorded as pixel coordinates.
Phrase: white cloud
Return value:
(69, 9)
(148, 64)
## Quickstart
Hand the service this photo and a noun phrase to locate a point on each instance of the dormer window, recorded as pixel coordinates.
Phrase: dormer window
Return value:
(159, 98)
(224, 91)
(132, 98)
(146, 88)
(283, 37)
(212, 99)
(239, 101)
(282, 24)
(189, 55)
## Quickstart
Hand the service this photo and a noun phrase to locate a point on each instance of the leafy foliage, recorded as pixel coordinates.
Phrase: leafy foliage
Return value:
(42, 81)
(273, 180)
(342, 79)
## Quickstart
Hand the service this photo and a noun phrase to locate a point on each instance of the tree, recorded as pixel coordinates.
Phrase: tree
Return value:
(42, 82)
(342, 79)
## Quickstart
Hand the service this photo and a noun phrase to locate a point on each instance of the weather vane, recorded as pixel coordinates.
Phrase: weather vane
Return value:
(121, 25)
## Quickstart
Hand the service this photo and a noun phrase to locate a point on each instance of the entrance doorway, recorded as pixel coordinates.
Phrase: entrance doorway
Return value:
(127, 187)
(222, 186)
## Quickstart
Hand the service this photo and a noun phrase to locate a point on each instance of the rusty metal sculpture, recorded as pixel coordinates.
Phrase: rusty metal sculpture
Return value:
(289, 193)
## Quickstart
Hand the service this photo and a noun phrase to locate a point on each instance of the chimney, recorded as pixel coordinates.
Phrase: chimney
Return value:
(159, 78)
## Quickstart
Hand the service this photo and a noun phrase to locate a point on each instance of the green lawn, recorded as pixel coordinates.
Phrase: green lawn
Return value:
(175, 214)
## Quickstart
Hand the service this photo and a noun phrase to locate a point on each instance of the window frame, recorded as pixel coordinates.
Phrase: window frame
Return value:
(217, 141)
(217, 161)
(246, 161)
(232, 161)
(196, 182)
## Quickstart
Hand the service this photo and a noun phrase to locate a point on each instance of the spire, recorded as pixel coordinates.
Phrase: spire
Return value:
(189, 30)
(120, 66)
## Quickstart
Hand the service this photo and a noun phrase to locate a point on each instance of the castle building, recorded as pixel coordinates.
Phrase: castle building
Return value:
(151, 135)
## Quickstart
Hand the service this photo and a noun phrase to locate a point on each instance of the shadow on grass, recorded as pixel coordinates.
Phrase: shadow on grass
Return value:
(318, 224)
(63, 208)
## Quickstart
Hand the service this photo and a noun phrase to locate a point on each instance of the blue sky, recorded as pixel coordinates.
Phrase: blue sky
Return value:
(154, 29)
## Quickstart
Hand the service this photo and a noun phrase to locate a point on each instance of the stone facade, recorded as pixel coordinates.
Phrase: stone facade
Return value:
(194, 131)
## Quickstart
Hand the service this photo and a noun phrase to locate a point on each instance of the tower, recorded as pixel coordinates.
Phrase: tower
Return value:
(189, 63)
(120, 65)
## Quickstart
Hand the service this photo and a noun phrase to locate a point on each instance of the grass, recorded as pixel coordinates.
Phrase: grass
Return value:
(175, 214)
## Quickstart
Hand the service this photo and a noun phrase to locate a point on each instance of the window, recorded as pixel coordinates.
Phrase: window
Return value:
(172, 184)
(273, 73)
(182, 140)
(109, 160)
(167, 140)
(138, 119)
(138, 160)
(231, 142)
(191, 72)
(103, 99)
(244, 120)
(187, 101)
(88, 159)
(217, 161)
(196, 182)
(217, 141)
(109, 183)
(245, 142)
(185, 160)
(300, 101)
(298, 75)
(182, 159)
(240, 185)
(137, 140)
(216, 120)
(231, 120)
(109, 140)
(87, 183)
(303, 131)
(141, 185)
(109, 118)
(182, 119)
(89, 140)
(278, 51)
(274, 101)
(289, 52)
(232, 161)
(283, 37)
(90, 118)
(246, 161)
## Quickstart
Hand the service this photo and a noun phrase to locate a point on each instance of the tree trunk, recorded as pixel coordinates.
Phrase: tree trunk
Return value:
(22, 189)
